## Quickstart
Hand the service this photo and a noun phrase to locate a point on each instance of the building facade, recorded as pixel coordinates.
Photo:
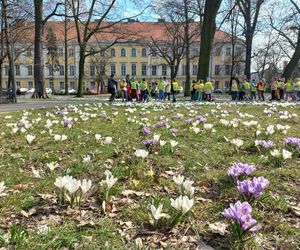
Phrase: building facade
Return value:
(134, 58)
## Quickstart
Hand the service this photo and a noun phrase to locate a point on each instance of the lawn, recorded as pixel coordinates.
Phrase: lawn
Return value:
(147, 149)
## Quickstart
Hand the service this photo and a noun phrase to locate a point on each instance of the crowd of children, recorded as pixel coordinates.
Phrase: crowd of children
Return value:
(130, 89)
(280, 90)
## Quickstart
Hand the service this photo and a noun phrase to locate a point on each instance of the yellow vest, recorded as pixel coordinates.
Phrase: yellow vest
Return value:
(175, 86)
(234, 86)
(201, 87)
(133, 85)
(289, 86)
(208, 86)
(161, 85)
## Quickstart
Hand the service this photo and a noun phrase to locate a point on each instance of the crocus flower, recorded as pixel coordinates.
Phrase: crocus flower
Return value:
(68, 122)
(238, 169)
(2, 188)
(30, 138)
(157, 212)
(237, 142)
(146, 130)
(182, 204)
(173, 143)
(110, 180)
(85, 185)
(72, 185)
(253, 188)
(264, 144)
(52, 165)
(86, 159)
(98, 137)
(141, 153)
(178, 179)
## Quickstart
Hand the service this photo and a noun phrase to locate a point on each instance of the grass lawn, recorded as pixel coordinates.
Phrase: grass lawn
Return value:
(33, 217)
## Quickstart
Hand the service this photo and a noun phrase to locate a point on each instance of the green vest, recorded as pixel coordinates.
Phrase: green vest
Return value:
(161, 85)
(133, 85)
(175, 86)
(143, 85)
(208, 86)
(289, 86)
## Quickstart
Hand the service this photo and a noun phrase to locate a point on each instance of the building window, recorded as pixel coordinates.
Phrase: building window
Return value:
(92, 70)
(183, 70)
(50, 71)
(112, 52)
(71, 52)
(144, 52)
(228, 51)
(123, 52)
(195, 70)
(30, 85)
(30, 71)
(6, 69)
(133, 69)
(195, 51)
(61, 85)
(102, 53)
(18, 84)
(93, 85)
(72, 85)
(239, 51)
(154, 70)
(217, 83)
(154, 52)
(217, 70)
(144, 69)
(227, 84)
(218, 51)
(61, 70)
(17, 67)
(60, 51)
(112, 69)
(227, 69)
(133, 52)
(71, 70)
(29, 52)
(51, 85)
(164, 69)
(123, 69)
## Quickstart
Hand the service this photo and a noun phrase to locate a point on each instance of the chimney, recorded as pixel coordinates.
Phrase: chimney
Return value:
(161, 20)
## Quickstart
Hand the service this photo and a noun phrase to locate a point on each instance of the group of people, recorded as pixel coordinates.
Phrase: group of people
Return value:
(131, 89)
(280, 90)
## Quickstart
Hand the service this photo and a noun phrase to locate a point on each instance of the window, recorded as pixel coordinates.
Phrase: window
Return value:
(71, 52)
(29, 52)
(50, 71)
(51, 85)
(123, 52)
(60, 51)
(183, 70)
(154, 69)
(217, 83)
(195, 51)
(102, 69)
(133, 52)
(18, 84)
(239, 51)
(164, 69)
(30, 85)
(133, 69)
(72, 85)
(112, 69)
(144, 69)
(61, 70)
(17, 69)
(154, 52)
(61, 85)
(218, 51)
(238, 69)
(195, 70)
(123, 69)
(102, 53)
(144, 52)
(164, 51)
(71, 70)
(93, 85)
(6, 69)
(227, 84)
(112, 52)
(92, 70)
(227, 69)
(29, 68)
(228, 51)
(217, 70)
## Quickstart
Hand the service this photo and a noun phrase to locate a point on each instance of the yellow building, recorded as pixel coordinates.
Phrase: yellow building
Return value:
(132, 56)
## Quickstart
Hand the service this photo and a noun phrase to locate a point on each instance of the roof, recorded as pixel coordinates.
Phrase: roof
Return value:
(122, 32)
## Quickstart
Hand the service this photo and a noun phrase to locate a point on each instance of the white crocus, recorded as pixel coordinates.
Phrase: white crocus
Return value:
(36, 173)
(162, 143)
(110, 179)
(57, 137)
(60, 182)
(275, 153)
(173, 143)
(182, 204)
(72, 186)
(286, 154)
(157, 212)
(64, 138)
(98, 137)
(188, 188)
(196, 130)
(178, 179)
(30, 138)
(86, 159)
(108, 140)
(52, 165)
(237, 142)
(156, 137)
(270, 130)
(85, 185)
(2, 188)
(208, 126)
(141, 153)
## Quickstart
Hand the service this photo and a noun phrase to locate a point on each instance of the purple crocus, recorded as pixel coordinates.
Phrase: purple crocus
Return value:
(190, 120)
(68, 122)
(241, 213)
(161, 123)
(174, 130)
(293, 141)
(201, 119)
(253, 188)
(149, 142)
(238, 169)
(146, 130)
(264, 144)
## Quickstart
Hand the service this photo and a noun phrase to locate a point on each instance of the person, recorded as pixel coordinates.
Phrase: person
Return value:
(208, 88)
(201, 91)
(128, 86)
(295, 92)
(161, 87)
(273, 91)
(123, 90)
(144, 94)
(134, 93)
(167, 89)
(289, 89)
(253, 90)
(297, 80)
(197, 89)
(261, 90)
(112, 83)
(280, 88)
(247, 89)
(154, 90)
(174, 89)
(234, 89)
(241, 91)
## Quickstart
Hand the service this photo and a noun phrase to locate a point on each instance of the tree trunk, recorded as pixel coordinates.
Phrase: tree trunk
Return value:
(291, 66)
(207, 36)
(66, 51)
(38, 51)
(249, 39)
(81, 71)
(1, 51)
(187, 86)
